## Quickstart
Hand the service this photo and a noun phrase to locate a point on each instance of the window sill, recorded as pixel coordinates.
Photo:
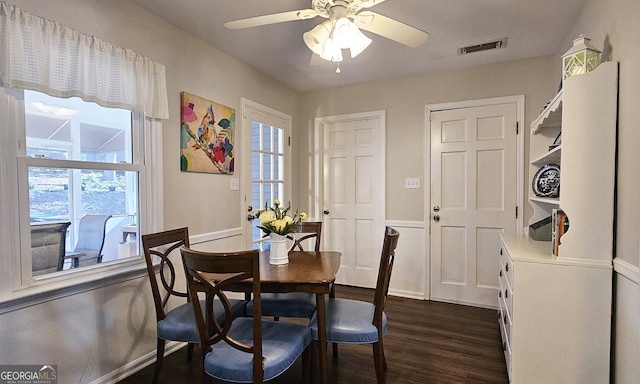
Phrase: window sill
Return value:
(65, 284)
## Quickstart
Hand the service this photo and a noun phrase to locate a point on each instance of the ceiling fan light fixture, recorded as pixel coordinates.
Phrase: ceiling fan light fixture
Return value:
(329, 38)
(359, 44)
(345, 32)
(331, 51)
(317, 37)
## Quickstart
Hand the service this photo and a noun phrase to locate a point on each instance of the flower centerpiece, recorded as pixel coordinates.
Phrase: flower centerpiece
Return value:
(277, 220)
(277, 223)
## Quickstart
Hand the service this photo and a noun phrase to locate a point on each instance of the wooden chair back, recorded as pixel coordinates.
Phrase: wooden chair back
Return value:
(384, 273)
(161, 245)
(230, 267)
(310, 230)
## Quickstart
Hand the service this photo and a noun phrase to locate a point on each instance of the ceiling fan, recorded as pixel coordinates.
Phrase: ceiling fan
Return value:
(342, 29)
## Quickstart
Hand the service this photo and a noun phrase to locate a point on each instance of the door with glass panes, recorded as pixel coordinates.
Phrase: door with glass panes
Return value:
(267, 174)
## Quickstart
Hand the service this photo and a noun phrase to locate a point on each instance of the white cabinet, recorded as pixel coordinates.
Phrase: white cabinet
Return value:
(555, 311)
(555, 316)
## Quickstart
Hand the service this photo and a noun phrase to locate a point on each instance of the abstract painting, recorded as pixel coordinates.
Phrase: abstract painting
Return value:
(207, 131)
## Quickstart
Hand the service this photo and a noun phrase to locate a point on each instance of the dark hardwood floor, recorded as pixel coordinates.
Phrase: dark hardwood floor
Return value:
(427, 342)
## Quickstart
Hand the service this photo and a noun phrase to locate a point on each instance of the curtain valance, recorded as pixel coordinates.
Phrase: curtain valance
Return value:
(42, 55)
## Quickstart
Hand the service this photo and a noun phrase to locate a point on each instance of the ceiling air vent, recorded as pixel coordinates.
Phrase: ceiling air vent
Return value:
(483, 47)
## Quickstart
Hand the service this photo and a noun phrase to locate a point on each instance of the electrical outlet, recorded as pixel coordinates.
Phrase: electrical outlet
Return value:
(235, 184)
(412, 183)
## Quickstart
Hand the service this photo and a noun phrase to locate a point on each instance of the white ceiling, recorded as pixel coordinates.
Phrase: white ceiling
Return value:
(533, 28)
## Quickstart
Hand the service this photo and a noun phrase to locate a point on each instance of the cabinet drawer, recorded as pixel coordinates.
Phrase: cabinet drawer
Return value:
(506, 266)
(505, 294)
(506, 346)
(505, 321)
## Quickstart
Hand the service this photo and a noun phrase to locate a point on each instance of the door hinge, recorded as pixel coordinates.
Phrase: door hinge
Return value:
(517, 127)
(289, 140)
(516, 211)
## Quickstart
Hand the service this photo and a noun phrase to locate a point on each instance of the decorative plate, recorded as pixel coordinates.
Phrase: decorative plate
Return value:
(546, 182)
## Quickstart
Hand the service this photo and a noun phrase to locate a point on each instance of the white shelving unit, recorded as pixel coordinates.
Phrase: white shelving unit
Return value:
(551, 115)
(544, 130)
(555, 312)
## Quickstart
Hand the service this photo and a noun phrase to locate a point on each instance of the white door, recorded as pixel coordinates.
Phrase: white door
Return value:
(266, 167)
(353, 193)
(473, 200)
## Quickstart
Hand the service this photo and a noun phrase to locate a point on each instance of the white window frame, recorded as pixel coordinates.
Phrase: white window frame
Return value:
(252, 110)
(16, 282)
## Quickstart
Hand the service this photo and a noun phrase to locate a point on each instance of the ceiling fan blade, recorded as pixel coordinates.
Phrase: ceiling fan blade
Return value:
(370, 3)
(274, 18)
(391, 29)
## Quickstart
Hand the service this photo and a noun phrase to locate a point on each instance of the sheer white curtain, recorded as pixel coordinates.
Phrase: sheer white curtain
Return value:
(42, 55)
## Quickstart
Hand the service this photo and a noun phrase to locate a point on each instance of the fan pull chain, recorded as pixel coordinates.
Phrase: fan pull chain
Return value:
(338, 67)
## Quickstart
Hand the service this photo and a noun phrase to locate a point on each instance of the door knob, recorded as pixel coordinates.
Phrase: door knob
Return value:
(436, 208)
(251, 217)
(326, 211)
(436, 218)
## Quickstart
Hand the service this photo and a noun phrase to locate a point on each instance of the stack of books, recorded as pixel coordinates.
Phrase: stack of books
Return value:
(559, 226)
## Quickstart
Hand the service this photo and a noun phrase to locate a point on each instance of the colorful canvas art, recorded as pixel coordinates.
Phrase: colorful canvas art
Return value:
(207, 131)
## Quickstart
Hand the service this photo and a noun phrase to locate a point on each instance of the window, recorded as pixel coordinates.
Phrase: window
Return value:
(268, 159)
(267, 171)
(66, 160)
(79, 162)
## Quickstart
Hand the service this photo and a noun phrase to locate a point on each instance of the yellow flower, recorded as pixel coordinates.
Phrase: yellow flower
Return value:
(267, 217)
(279, 225)
(276, 220)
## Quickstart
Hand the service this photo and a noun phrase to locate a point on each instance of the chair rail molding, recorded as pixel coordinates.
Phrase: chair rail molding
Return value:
(626, 269)
(215, 236)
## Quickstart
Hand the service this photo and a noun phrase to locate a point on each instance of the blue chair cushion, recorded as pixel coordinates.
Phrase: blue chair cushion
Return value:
(282, 344)
(179, 323)
(349, 322)
(290, 304)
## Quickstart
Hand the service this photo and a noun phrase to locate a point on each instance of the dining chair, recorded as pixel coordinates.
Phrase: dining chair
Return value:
(305, 231)
(91, 234)
(358, 322)
(178, 323)
(242, 349)
(294, 304)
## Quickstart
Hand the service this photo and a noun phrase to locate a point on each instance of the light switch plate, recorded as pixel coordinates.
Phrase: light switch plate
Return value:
(412, 183)
(235, 184)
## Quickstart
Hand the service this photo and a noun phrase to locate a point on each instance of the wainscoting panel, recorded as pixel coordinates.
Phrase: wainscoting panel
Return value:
(410, 276)
(626, 323)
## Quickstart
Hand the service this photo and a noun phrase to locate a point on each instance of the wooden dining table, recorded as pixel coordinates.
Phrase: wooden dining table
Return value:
(307, 271)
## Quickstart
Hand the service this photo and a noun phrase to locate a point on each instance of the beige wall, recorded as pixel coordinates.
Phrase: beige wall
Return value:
(191, 66)
(404, 101)
(612, 25)
(103, 330)
(98, 333)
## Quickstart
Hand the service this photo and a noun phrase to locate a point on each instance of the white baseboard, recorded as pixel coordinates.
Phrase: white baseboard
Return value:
(137, 364)
(406, 294)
